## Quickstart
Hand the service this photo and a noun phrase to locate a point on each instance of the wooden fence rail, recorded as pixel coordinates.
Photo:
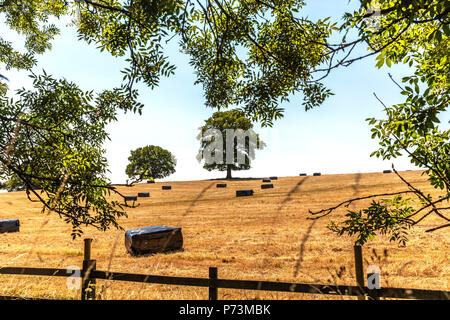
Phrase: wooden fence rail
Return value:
(215, 283)
(89, 274)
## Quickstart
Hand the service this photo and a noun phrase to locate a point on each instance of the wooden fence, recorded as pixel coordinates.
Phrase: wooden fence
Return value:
(89, 274)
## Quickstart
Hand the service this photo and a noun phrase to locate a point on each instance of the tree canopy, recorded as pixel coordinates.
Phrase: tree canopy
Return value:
(227, 136)
(150, 162)
(248, 53)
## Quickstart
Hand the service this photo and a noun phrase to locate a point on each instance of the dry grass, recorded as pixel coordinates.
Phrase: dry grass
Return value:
(264, 237)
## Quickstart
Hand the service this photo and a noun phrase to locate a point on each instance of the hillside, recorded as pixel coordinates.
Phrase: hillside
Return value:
(264, 237)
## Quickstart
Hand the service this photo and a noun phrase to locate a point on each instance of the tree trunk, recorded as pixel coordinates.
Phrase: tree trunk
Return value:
(228, 172)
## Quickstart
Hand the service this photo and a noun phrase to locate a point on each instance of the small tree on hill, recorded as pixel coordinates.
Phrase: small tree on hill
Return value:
(227, 142)
(150, 162)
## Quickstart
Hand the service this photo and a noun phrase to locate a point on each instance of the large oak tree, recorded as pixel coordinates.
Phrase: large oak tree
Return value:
(237, 142)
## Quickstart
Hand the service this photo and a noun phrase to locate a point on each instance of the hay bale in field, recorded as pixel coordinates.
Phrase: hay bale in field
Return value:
(153, 240)
(316, 174)
(273, 178)
(266, 180)
(302, 174)
(143, 194)
(266, 186)
(387, 171)
(221, 185)
(130, 198)
(9, 225)
(243, 193)
(150, 181)
(167, 187)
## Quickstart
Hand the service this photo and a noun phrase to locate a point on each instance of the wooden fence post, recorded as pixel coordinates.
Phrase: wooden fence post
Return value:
(359, 270)
(89, 265)
(212, 283)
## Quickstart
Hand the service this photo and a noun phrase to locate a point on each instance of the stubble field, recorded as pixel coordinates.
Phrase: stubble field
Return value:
(263, 237)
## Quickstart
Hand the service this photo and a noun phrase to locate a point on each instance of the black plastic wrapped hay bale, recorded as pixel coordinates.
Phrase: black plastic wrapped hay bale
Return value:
(155, 239)
(9, 225)
(316, 174)
(387, 171)
(244, 193)
(143, 194)
(221, 185)
(167, 187)
(150, 181)
(266, 186)
(130, 198)
(266, 180)
(273, 178)
(302, 174)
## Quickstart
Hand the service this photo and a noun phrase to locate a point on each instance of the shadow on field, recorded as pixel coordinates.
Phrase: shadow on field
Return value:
(355, 188)
(189, 209)
(356, 185)
(152, 253)
(293, 190)
(302, 248)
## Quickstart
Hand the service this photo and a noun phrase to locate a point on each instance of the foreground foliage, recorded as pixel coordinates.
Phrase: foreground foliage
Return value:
(415, 33)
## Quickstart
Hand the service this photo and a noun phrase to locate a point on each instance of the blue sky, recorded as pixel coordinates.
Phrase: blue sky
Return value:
(333, 138)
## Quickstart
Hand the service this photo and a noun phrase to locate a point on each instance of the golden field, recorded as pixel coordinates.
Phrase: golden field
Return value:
(263, 237)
